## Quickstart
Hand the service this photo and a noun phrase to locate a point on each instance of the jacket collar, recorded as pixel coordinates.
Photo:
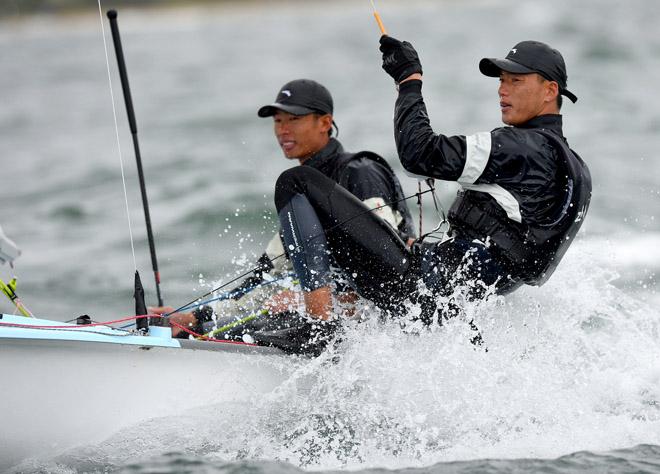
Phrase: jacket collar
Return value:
(325, 154)
(552, 122)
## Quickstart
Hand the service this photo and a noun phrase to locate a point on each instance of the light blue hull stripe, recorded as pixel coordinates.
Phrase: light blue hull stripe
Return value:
(158, 336)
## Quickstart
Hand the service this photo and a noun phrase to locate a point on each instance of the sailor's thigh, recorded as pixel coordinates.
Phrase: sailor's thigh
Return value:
(306, 181)
(366, 248)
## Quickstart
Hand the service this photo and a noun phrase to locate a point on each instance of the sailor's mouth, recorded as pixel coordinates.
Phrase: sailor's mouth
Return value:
(505, 106)
(287, 145)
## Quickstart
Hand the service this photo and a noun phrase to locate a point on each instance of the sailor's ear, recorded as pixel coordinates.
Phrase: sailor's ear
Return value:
(326, 122)
(552, 91)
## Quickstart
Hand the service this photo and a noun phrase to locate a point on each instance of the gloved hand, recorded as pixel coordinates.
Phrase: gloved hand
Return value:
(400, 59)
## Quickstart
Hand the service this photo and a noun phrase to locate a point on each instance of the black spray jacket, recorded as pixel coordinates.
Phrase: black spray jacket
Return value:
(523, 189)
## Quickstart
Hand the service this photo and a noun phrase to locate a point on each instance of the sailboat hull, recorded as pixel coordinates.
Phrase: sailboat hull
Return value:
(65, 388)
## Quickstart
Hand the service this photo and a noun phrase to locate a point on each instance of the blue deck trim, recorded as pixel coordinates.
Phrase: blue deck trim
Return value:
(158, 337)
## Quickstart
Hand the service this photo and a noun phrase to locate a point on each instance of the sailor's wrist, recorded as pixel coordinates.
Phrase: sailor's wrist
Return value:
(410, 86)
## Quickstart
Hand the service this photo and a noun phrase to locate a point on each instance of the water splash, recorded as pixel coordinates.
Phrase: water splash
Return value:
(571, 366)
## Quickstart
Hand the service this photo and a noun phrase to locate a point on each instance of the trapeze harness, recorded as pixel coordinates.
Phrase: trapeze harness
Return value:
(530, 251)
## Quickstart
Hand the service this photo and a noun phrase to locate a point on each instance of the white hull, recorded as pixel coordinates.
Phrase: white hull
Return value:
(58, 393)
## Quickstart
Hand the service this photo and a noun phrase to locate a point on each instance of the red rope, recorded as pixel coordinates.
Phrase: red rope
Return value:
(82, 327)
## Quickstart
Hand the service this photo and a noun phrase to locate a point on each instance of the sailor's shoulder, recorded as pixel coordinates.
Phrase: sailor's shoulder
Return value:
(520, 141)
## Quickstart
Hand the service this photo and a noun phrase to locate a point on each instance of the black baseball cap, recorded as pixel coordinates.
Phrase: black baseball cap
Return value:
(527, 57)
(300, 97)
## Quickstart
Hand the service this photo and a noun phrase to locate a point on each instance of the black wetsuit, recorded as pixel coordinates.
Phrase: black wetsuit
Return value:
(364, 175)
(359, 176)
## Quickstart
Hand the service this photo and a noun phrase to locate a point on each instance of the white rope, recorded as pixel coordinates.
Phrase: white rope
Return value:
(114, 113)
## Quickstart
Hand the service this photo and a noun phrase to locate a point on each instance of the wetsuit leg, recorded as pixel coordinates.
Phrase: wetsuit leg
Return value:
(368, 250)
(305, 243)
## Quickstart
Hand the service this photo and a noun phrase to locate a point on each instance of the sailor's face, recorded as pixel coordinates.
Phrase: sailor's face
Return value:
(524, 96)
(301, 136)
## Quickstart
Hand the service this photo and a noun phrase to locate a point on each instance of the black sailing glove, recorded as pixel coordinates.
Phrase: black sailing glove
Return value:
(400, 59)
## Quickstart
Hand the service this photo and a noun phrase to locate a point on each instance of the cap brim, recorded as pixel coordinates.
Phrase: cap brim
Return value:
(492, 67)
(270, 110)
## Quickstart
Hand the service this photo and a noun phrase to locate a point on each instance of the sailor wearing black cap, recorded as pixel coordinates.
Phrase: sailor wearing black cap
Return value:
(303, 119)
(524, 192)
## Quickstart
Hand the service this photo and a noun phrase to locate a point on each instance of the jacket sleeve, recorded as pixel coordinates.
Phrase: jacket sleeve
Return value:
(421, 151)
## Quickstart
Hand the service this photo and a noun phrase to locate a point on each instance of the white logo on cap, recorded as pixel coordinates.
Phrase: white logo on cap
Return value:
(514, 51)
(286, 92)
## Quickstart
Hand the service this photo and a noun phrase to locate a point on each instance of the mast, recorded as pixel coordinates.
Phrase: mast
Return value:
(112, 16)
